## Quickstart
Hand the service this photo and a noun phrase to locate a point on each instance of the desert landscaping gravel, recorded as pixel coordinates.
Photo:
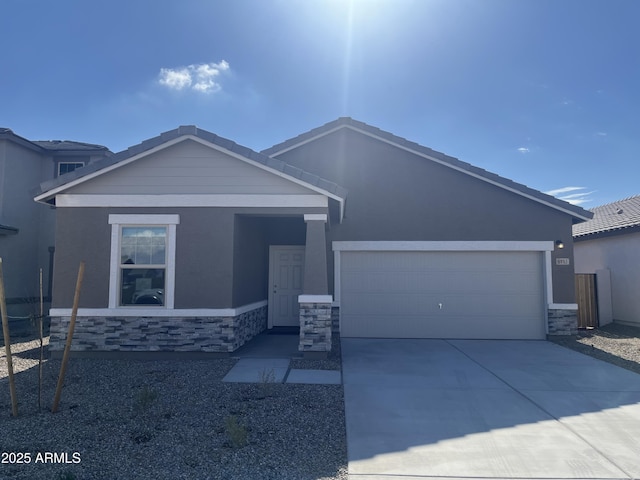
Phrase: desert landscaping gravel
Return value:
(174, 419)
(613, 343)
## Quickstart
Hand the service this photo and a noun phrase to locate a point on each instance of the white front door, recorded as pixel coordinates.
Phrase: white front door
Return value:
(286, 272)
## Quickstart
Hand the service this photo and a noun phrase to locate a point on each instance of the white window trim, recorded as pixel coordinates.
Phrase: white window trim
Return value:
(67, 163)
(117, 221)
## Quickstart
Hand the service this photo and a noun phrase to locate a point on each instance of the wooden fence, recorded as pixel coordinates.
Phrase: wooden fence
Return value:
(587, 299)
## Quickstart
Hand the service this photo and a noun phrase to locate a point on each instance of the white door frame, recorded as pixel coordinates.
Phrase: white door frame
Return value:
(273, 249)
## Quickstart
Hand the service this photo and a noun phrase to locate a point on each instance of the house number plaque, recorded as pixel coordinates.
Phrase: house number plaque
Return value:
(562, 261)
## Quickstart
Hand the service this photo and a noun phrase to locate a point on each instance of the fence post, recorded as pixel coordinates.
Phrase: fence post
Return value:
(7, 345)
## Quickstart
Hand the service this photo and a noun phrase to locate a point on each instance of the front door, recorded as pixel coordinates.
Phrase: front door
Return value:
(286, 271)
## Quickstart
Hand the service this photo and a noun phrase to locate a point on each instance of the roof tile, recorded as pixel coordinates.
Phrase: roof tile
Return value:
(613, 216)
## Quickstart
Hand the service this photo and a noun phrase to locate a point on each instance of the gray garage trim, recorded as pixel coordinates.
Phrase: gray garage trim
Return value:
(531, 263)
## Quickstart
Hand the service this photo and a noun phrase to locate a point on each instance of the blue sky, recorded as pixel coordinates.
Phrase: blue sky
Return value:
(545, 92)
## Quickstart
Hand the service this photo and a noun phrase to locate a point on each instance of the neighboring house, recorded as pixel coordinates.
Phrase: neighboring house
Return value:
(27, 228)
(193, 242)
(609, 246)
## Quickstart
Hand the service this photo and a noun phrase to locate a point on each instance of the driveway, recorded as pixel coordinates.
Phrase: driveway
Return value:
(452, 409)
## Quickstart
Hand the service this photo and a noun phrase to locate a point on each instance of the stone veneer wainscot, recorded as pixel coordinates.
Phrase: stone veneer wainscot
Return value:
(563, 321)
(157, 334)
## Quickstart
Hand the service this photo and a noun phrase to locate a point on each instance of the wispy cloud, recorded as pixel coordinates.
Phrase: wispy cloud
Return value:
(601, 134)
(523, 150)
(202, 77)
(573, 195)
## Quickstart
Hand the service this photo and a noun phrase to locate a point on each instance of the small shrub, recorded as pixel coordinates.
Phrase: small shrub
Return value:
(236, 432)
(266, 378)
(66, 475)
(145, 399)
(141, 436)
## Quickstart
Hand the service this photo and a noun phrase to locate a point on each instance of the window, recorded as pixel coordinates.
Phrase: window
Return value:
(66, 167)
(143, 265)
(142, 260)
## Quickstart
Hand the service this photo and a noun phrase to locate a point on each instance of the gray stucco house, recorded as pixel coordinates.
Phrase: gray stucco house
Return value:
(609, 247)
(193, 242)
(27, 228)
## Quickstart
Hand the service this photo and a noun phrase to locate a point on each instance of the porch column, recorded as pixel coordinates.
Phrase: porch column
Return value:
(315, 302)
(315, 256)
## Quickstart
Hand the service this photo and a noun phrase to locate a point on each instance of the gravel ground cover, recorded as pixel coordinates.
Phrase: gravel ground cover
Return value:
(613, 343)
(132, 419)
(135, 419)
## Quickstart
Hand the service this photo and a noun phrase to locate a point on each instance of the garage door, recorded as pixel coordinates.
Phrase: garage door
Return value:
(442, 294)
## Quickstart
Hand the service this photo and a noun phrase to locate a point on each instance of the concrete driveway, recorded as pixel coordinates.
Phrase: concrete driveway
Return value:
(452, 409)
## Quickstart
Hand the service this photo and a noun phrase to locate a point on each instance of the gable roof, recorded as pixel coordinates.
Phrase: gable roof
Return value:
(579, 214)
(69, 145)
(51, 146)
(49, 189)
(619, 217)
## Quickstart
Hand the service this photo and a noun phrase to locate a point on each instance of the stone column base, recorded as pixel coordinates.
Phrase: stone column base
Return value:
(563, 321)
(315, 325)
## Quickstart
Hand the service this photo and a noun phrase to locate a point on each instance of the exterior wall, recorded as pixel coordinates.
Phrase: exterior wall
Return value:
(396, 195)
(189, 167)
(250, 261)
(157, 334)
(205, 256)
(23, 254)
(621, 255)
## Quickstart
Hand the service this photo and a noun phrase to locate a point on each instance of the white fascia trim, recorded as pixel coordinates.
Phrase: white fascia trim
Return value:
(153, 219)
(44, 196)
(188, 200)
(563, 306)
(416, 246)
(315, 299)
(309, 217)
(433, 159)
(309, 140)
(158, 311)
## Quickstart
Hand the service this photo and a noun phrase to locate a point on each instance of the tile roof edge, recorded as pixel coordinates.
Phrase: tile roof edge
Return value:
(189, 130)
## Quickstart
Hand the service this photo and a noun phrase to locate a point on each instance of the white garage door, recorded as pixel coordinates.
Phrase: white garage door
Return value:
(442, 294)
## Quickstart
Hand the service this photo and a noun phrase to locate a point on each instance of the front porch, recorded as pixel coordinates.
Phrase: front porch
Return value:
(269, 296)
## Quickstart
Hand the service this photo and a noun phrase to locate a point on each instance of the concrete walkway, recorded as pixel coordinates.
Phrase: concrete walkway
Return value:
(266, 359)
(419, 409)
